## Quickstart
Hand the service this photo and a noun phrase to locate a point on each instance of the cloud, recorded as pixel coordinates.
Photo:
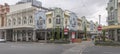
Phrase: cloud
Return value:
(10, 2)
(89, 8)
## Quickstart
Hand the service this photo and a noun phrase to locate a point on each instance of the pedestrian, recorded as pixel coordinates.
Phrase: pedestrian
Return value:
(93, 38)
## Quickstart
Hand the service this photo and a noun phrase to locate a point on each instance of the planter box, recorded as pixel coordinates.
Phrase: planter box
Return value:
(78, 40)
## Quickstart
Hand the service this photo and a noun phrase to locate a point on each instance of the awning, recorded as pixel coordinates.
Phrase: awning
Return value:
(111, 27)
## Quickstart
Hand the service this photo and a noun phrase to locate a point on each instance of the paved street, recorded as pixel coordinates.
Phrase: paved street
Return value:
(33, 48)
(43, 48)
(102, 50)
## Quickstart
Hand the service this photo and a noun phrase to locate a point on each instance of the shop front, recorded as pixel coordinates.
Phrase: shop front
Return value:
(113, 32)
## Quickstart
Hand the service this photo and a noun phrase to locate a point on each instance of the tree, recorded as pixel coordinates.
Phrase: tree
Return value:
(63, 33)
(85, 30)
(103, 35)
(58, 33)
(52, 34)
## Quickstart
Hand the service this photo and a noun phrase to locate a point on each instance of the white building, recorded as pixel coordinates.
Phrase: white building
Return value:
(21, 23)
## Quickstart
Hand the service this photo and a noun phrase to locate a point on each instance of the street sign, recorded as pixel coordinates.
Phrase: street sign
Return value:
(99, 28)
(66, 31)
(73, 35)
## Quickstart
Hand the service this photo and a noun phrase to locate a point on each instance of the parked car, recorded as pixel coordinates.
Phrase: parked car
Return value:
(2, 40)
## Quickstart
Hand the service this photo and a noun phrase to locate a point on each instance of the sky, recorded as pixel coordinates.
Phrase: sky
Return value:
(89, 8)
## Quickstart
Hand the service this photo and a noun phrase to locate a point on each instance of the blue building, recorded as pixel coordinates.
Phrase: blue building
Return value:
(73, 21)
(40, 25)
(40, 20)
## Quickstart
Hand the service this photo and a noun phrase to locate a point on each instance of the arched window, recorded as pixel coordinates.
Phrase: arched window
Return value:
(9, 22)
(49, 20)
(19, 21)
(30, 19)
(40, 20)
(14, 21)
(58, 19)
(111, 8)
(24, 20)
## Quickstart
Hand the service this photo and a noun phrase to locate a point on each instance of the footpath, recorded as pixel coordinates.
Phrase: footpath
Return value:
(79, 48)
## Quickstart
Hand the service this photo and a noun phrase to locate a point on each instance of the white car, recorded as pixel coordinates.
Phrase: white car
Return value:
(2, 40)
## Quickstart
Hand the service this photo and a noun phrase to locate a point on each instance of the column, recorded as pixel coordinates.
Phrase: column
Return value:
(34, 35)
(76, 34)
(13, 37)
(16, 37)
(41, 34)
(27, 36)
(21, 37)
(116, 35)
(0, 34)
(45, 36)
(5, 35)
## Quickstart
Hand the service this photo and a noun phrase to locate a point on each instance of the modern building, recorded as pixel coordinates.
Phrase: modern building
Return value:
(113, 20)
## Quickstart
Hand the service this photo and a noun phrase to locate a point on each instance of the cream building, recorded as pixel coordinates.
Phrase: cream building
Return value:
(79, 27)
(20, 23)
(49, 21)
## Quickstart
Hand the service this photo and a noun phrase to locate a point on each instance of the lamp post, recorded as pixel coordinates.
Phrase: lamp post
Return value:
(99, 27)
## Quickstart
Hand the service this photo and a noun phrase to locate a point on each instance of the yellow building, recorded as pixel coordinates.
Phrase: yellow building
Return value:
(79, 21)
(66, 19)
(88, 26)
(49, 20)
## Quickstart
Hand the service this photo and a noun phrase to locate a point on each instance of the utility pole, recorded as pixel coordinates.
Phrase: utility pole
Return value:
(99, 27)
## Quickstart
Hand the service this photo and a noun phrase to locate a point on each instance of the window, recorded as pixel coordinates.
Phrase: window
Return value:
(87, 26)
(44, 21)
(58, 19)
(74, 22)
(30, 19)
(110, 0)
(24, 20)
(9, 22)
(65, 21)
(19, 21)
(49, 20)
(79, 24)
(111, 8)
(14, 21)
(40, 21)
